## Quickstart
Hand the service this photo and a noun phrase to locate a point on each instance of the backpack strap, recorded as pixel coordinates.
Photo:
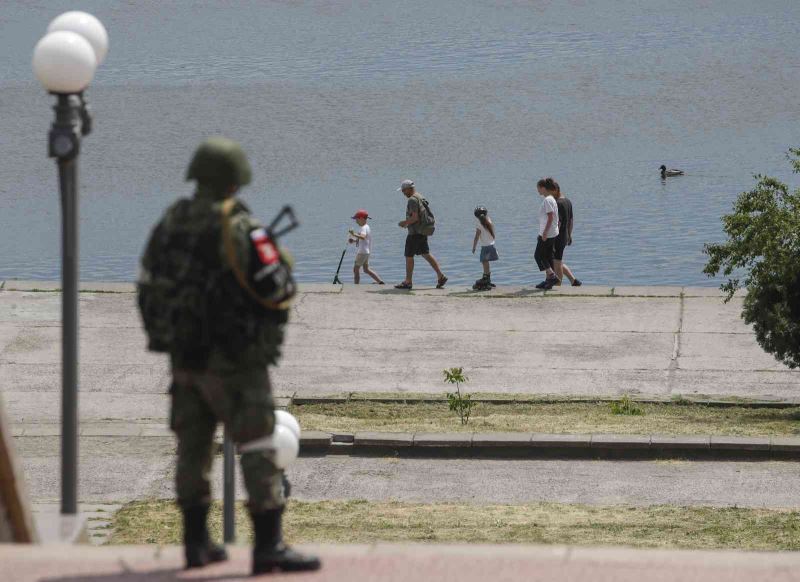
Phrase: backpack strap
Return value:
(230, 255)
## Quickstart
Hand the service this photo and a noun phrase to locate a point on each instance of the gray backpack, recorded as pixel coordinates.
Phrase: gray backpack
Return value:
(427, 221)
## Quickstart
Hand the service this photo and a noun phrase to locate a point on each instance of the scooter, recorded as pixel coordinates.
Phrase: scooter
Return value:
(336, 280)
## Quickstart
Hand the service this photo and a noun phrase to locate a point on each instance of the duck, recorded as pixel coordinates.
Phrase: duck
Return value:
(671, 172)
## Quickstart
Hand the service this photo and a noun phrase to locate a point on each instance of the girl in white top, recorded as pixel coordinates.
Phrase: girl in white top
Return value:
(484, 233)
(548, 231)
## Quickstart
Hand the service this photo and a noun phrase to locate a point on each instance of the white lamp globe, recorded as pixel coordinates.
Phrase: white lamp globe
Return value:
(286, 446)
(87, 26)
(64, 62)
(288, 420)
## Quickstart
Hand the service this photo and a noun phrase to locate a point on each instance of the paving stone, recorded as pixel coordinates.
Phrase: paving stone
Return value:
(561, 440)
(614, 441)
(283, 401)
(501, 439)
(683, 442)
(313, 399)
(785, 444)
(383, 439)
(315, 438)
(443, 439)
(727, 443)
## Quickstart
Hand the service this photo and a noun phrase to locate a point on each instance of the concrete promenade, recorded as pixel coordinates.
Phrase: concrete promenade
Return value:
(657, 341)
(409, 563)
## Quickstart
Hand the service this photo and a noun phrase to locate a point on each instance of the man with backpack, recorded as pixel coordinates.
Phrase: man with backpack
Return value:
(420, 223)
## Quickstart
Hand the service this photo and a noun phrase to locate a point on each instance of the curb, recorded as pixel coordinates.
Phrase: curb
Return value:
(492, 445)
(537, 445)
(294, 400)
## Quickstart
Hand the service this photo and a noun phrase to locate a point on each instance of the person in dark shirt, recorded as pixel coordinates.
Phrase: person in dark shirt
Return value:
(564, 238)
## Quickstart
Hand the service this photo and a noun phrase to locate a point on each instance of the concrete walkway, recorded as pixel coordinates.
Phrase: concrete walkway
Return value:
(585, 341)
(409, 563)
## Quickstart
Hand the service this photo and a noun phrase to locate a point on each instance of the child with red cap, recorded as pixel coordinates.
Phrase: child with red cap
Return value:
(363, 242)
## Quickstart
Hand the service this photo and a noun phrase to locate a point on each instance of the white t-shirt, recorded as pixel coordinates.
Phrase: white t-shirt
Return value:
(486, 238)
(548, 205)
(363, 244)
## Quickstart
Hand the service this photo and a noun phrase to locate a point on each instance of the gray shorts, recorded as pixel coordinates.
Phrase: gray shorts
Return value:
(488, 253)
(362, 260)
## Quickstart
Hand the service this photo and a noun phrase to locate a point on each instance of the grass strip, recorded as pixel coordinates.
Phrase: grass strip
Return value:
(158, 522)
(553, 417)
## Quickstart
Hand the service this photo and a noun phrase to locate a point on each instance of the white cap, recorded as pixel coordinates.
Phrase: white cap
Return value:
(405, 184)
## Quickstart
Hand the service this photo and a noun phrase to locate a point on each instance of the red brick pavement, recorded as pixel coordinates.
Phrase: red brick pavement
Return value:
(406, 563)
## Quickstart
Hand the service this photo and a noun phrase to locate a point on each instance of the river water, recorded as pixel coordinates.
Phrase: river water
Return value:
(337, 101)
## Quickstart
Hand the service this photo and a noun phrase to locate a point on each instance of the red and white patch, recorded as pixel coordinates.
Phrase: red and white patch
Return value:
(266, 249)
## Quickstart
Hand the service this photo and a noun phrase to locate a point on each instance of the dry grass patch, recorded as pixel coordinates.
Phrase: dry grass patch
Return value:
(558, 417)
(158, 522)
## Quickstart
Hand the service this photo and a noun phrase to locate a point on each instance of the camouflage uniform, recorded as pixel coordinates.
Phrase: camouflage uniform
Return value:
(220, 340)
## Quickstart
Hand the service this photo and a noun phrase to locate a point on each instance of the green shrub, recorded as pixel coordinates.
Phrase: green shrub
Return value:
(627, 407)
(460, 403)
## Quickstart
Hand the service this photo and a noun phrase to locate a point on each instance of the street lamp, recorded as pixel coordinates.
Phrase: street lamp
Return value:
(64, 61)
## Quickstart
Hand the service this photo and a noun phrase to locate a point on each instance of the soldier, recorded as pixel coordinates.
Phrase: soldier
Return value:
(213, 294)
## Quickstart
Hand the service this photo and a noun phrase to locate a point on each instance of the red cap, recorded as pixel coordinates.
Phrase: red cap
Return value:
(361, 213)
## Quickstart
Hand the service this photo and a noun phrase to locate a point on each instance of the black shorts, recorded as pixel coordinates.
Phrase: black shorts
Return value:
(545, 249)
(561, 244)
(416, 244)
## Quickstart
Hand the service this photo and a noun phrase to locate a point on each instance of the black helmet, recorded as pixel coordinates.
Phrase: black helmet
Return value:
(480, 211)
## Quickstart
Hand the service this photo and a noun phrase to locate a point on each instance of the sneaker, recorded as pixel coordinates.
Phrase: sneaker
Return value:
(542, 285)
(440, 283)
(576, 283)
(550, 283)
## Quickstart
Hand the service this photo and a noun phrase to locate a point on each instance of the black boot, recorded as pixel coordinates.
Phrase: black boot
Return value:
(483, 284)
(270, 553)
(198, 547)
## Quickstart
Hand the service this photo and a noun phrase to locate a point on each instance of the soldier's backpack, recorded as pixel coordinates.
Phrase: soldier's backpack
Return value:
(174, 284)
(427, 221)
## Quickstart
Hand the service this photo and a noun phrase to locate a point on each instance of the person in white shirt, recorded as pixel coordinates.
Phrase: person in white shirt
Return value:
(363, 241)
(548, 231)
(485, 234)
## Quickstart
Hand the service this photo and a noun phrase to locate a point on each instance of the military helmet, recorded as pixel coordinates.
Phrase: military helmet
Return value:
(480, 211)
(219, 162)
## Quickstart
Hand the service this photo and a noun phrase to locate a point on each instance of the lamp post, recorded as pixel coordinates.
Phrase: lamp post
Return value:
(64, 61)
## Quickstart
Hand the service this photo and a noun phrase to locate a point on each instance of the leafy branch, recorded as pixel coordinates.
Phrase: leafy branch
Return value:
(459, 403)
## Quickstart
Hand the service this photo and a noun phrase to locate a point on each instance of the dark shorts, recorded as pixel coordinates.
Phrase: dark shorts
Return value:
(416, 244)
(544, 253)
(560, 245)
